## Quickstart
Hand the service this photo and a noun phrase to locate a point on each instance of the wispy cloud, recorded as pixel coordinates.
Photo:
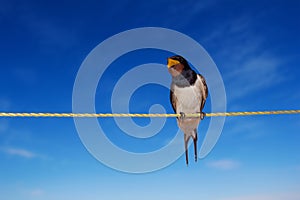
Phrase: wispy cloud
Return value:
(3, 125)
(26, 75)
(297, 167)
(5, 8)
(224, 164)
(273, 196)
(248, 65)
(254, 74)
(36, 192)
(5, 104)
(46, 30)
(31, 193)
(20, 152)
(194, 8)
(247, 129)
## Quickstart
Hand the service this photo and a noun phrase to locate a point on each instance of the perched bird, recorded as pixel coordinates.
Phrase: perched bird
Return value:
(188, 94)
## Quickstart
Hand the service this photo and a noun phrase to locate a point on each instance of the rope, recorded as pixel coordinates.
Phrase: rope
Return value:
(221, 114)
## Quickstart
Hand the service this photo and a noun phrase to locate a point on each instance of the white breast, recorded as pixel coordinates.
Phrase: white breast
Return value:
(188, 98)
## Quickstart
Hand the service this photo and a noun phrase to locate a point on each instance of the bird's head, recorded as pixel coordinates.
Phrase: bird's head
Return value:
(176, 64)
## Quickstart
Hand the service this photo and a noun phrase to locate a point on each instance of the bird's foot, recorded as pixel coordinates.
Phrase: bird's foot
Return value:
(202, 115)
(182, 115)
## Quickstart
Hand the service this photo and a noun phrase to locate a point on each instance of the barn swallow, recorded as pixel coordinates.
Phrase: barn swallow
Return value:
(188, 93)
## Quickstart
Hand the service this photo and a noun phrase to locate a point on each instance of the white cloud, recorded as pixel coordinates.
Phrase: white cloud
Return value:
(20, 152)
(224, 164)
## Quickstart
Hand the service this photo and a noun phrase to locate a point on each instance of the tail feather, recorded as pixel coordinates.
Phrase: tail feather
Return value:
(186, 142)
(195, 138)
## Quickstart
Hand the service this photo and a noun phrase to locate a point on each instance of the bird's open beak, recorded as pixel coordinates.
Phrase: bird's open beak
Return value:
(172, 62)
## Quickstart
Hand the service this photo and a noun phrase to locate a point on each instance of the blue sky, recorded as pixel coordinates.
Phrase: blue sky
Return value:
(255, 45)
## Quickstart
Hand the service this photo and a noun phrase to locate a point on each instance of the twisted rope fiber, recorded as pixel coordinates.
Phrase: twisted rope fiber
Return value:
(221, 114)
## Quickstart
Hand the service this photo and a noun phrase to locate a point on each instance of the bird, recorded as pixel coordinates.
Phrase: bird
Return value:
(188, 94)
